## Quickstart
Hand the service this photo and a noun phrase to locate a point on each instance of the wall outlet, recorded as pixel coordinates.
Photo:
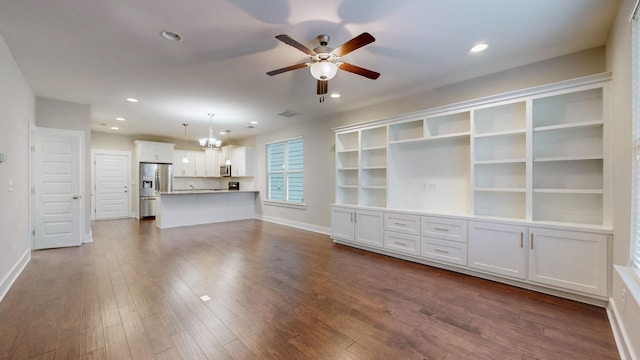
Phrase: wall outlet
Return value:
(432, 186)
(623, 296)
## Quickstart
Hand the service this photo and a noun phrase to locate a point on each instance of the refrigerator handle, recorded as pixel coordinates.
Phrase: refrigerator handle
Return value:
(156, 184)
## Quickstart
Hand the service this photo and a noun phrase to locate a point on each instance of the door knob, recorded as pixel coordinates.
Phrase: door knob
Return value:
(76, 197)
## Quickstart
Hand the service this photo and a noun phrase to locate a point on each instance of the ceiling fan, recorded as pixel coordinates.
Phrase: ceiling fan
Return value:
(326, 61)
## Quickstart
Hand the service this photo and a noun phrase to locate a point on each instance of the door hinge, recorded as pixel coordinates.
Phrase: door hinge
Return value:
(33, 232)
(33, 148)
(33, 190)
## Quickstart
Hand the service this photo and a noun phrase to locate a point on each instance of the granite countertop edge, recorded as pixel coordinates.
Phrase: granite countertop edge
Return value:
(191, 192)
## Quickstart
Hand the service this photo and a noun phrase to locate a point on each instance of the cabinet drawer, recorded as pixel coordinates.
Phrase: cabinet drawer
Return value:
(402, 243)
(445, 229)
(443, 250)
(408, 224)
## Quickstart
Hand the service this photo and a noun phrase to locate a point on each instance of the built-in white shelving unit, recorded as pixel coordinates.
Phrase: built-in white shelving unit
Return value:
(527, 173)
(499, 166)
(568, 157)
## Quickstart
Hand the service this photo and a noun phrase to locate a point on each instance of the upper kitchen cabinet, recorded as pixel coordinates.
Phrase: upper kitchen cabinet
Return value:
(243, 161)
(213, 158)
(154, 152)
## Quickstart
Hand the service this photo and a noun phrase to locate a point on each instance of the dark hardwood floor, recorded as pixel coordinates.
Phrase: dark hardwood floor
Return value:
(275, 293)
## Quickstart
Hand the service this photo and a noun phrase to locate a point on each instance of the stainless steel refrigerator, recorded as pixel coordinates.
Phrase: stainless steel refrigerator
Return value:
(154, 178)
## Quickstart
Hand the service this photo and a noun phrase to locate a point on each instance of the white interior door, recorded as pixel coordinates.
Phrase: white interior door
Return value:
(111, 186)
(57, 188)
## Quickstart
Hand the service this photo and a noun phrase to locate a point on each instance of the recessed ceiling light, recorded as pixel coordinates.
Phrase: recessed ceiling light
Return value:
(115, 128)
(120, 119)
(479, 47)
(222, 133)
(133, 100)
(169, 35)
(335, 95)
(254, 122)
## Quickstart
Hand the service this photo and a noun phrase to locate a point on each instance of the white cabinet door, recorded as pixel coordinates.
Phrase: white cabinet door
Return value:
(500, 249)
(164, 152)
(212, 162)
(149, 151)
(181, 169)
(368, 227)
(199, 163)
(568, 259)
(242, 161)
(342, 223)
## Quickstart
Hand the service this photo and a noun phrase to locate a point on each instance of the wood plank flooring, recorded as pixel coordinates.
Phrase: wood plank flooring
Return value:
(275, 293)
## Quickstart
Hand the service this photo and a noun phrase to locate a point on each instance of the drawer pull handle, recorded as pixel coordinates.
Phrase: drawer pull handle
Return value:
(399, 243)
(401, 224)
(441, 229)
(442, 251)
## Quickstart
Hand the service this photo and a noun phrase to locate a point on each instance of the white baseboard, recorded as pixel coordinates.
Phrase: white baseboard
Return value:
(11, 277)
(87, 238)
(295, 224)
(619, 334)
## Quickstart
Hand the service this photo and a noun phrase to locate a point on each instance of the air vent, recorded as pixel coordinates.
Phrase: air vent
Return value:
(288, 113)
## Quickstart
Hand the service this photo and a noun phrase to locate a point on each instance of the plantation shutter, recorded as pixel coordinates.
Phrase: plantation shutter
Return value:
(275, 154)
(295, 168)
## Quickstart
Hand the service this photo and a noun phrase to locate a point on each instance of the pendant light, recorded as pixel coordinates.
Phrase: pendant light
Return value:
(185, 159)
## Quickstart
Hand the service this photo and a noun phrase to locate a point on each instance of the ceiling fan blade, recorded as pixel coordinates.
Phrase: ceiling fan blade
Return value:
(353, 44)
(285, 69)
(289, 41)
(358, 70)
(323, 86)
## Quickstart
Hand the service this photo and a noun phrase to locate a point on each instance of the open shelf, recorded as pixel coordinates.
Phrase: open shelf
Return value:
(444, 126)
(507, 147)
(570, 108)
(568, 142)
(374, 177)
(374, 138)
(345, 160)
(568, 208)
(347, 141)
(509, 205)
(596, 123)
(374, 158)
(500, 189)
(501, 118)
(505, 175)
(409, 130)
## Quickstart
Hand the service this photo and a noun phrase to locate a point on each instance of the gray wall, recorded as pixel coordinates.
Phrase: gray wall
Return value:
(17, 103)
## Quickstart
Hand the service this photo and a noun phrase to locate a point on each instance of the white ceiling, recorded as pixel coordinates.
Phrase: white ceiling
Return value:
(99, 52)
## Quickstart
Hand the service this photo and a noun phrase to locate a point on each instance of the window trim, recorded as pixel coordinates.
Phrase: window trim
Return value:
(283, 203)
(634, 241)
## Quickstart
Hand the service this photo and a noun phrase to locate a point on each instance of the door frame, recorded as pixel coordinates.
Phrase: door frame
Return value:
(95, 152)
(40, 130)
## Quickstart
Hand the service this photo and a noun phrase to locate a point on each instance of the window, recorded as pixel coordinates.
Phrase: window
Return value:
(285, 171)
(635, 115)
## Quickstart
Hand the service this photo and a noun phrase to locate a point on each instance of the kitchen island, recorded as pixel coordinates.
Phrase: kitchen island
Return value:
(195, 207)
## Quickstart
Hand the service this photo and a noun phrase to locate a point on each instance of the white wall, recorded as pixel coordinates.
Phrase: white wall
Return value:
(627, 313)
(319, 136)
(17, 103)
(60, 114)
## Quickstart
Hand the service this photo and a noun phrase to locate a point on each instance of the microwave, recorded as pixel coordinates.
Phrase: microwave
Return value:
(225, 170)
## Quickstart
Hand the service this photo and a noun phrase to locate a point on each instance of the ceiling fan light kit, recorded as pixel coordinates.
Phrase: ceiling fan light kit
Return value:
(325, 61)
(323, 70)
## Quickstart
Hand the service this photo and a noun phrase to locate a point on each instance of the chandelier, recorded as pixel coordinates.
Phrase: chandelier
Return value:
(210, 142)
